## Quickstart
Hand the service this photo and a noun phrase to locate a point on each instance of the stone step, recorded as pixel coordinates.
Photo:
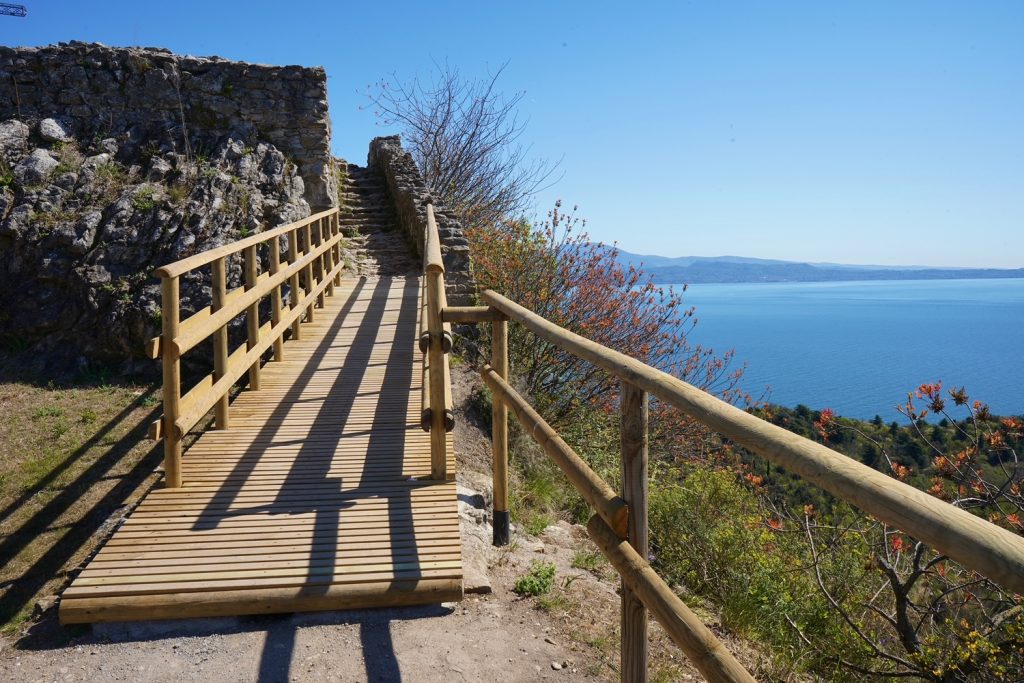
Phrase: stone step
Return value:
(373, 240)
(362, 209)
(352, 222)
(366, 197)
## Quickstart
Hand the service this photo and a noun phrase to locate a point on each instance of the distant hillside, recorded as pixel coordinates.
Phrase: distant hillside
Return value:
(696, 269)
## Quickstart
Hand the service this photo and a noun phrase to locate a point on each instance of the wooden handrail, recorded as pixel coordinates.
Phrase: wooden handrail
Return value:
(611, 508)
(182, 411)
(203, 324)
(619, 528)
(435, 341)
(201, 259)
(971, 541)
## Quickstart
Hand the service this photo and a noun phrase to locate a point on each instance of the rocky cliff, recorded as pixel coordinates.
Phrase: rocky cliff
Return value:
(114, 161)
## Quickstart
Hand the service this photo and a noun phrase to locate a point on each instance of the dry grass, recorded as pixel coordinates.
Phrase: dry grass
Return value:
(72, 458)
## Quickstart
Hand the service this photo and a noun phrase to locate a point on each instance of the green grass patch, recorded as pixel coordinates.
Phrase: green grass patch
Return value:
(588, 560)
(63, 450)
(537, 581)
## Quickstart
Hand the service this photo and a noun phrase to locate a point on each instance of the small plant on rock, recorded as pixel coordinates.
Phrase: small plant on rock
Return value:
(537, 581)
(68, 157)
(6, 176)
(145, 198)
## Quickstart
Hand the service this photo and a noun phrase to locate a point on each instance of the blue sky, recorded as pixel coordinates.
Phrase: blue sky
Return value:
(857, 132)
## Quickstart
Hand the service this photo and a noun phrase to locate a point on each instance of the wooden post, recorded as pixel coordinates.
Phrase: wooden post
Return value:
(252, 315)
(307, 247)
(695, 639)
(608, 505)
(293, 281)
(499, 434)
(337, 247)
(275, 297)
(319, 261)
(435, 357)
(633, 406)
(329, 256)
(172, 382)
(220, 340)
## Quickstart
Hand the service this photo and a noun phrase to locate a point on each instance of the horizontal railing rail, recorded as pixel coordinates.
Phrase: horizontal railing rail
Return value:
(311, 267)
(619, 527)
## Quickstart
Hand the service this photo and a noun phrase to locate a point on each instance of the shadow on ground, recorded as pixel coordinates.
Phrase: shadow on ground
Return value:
(278, 650)
(72, 499)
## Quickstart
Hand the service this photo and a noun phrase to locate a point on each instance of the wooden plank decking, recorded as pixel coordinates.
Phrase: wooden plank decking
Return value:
(311, 500)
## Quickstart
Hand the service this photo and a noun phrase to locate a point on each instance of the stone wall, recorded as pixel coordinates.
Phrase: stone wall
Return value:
(142, 96)
(410, 195)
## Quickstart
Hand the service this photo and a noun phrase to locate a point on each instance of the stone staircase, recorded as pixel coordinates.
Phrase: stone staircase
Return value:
(374, 239)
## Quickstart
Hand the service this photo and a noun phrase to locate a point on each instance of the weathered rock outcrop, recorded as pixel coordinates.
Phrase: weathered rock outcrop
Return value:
(81, 233)
(114, 161)
(410, 193)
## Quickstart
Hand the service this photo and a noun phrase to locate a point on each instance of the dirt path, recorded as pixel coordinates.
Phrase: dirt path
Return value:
(480, 639)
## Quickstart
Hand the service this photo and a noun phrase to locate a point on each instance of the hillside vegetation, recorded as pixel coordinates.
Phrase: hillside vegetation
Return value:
(830, 591)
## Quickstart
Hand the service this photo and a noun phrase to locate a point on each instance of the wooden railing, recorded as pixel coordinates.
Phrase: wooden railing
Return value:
(310, 270)
(435, 342)
(619, 527)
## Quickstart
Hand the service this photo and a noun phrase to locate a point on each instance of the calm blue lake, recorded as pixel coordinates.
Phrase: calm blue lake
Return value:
(859, 347)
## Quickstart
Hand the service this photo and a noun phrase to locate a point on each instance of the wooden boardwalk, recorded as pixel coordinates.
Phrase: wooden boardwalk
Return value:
(315, 498)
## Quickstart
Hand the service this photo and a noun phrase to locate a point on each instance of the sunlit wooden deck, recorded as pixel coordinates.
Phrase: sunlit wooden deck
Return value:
(316, 497)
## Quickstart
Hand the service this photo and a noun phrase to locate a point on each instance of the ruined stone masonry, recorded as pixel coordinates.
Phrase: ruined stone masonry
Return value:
(410, 195)
(146, 95)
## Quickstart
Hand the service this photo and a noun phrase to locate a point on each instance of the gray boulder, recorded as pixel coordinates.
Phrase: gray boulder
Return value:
(35, 168)
(159, 168)
(54, 130)
(13, 140)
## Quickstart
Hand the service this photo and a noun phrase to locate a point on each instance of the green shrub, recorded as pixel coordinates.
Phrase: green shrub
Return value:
(48, 411)
(711, 535)
(538, 580)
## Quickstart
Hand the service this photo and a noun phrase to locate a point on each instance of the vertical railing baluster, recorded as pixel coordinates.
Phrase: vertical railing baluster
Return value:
(171, 315)
(318, 241)
(633, 405)
(499, 434)
(252, 315)
(329, 254)
(337, 247)
(293, 281)
(275, 297)
(220, 340)
(307, 248)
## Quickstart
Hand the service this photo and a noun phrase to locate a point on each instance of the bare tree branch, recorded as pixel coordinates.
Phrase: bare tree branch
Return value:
(465, 137)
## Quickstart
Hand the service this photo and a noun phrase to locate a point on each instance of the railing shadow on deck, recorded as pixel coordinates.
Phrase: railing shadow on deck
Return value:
(312, 464)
